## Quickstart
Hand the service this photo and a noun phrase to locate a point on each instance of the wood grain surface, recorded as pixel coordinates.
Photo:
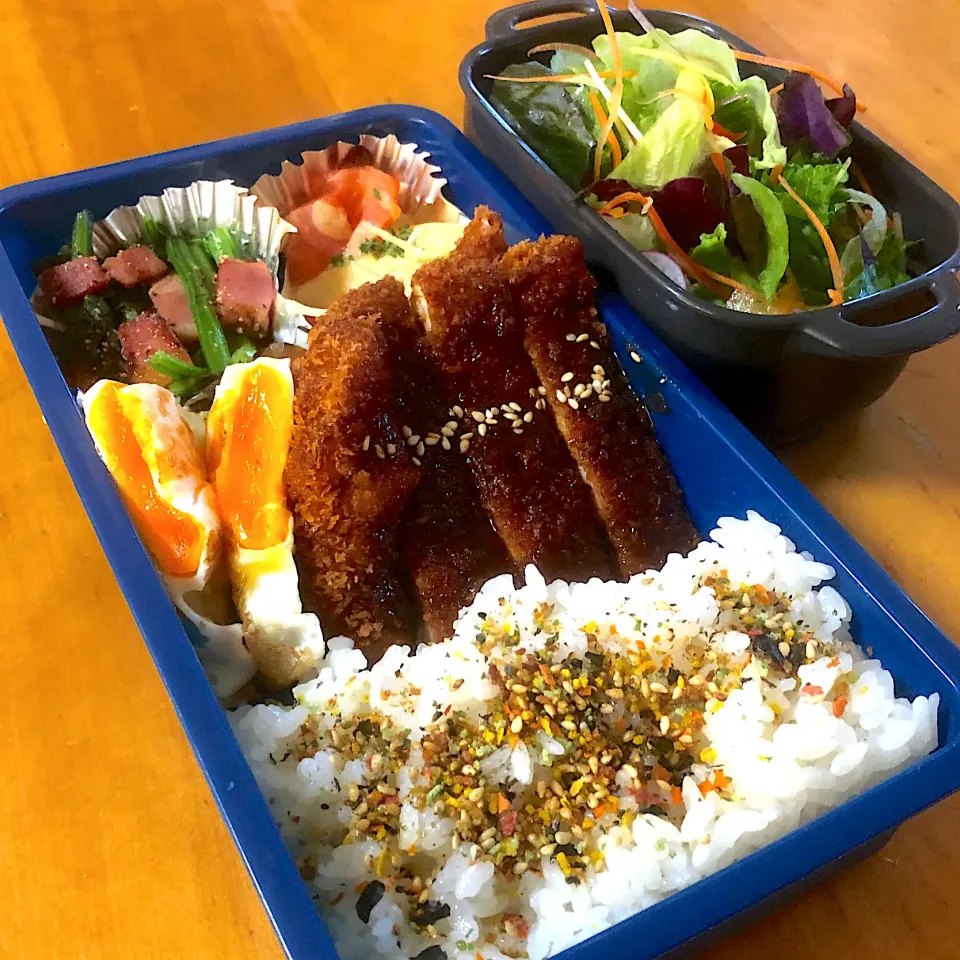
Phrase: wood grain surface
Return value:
(110, 844)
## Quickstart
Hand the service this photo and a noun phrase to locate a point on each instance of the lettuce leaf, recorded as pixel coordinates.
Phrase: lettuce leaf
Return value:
(806, 120)
(672, 145)
(881, 271)
(819, 183)
(549, 118)
(775, 223)
(712, 252)
(637, 230)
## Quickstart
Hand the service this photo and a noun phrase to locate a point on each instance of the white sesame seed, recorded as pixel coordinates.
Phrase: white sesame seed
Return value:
(594, 344)
(516, 406)
(466, 436)
(528, 417)
(634, 356)
(478, 416)
(413, 440)
(493, 411)
(452, 424)
(542, 390)
(407, 432)
(491, 421)
(561, 396)
(573, 403)
(431, 440)
(421, 450)
(464, 446)
(445, 443)
(571, 337)
(567, 377)
(509, 415)
(416, 462)
(784, 648)
(457, 411)
(379, 450)
(391, 449)
(517, 430)
(517, 725)
(482, 429)
(606, 383)
(582, 337)
(604, 397)
(541, 404)
(532, 391)
(658, 688)
(664, 724)
(587, 392)
(598, 370)
(578, 390)
(366, 443)
(447, 431)
(566, 391)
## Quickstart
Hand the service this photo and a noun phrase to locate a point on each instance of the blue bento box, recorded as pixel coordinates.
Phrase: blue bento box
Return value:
(722, 468)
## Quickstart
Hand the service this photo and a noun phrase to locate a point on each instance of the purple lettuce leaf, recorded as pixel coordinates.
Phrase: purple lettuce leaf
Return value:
(687, 210)
(739, 156)
(844, 108)
(805, 120)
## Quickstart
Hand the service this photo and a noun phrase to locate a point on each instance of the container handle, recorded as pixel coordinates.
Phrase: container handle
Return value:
(839, 333)
(505, 22)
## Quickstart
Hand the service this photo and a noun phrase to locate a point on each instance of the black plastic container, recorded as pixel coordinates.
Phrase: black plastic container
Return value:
(787, 376)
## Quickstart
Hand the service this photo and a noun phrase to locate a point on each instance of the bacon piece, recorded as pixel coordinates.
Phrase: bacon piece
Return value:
(528, 482)
(245, 295)
(70, 282)
(141, 338)
(170, 300)
(449, 544)
(134, 266)
(347, 500)
(613, 441)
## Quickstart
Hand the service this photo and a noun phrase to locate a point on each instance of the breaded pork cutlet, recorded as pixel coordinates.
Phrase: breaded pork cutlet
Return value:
(604, 423)
(528, 482)
(349, 477)
(447, 539)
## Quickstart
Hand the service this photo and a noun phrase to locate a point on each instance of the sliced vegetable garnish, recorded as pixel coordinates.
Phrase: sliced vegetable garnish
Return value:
(221, 243)
(213, 343)
(81, 243)
(569, 47)
(615, 150)
(174, 367)
(794, 68)
(623, 121)
(836, 271)
(617, 97)
(244, 351)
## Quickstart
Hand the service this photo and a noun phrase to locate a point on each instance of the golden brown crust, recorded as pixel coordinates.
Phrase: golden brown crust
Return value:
(528, 483)
(613, 442)
(346, 501)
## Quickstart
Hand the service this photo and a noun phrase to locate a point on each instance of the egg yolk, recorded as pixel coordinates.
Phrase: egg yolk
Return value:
(248, 435)
(176, 539)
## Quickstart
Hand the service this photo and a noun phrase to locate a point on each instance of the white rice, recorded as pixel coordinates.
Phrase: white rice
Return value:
(792, 747)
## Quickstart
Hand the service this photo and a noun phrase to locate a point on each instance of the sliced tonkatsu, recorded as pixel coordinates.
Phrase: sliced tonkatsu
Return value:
(604, 423)
(528, 482)
(447, 539)
(349, 478)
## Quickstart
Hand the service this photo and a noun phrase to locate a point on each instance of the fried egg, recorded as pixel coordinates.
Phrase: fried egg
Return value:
(150, 448)
(247, 439)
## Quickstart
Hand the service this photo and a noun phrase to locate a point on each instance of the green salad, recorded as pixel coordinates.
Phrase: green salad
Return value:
(745, 194)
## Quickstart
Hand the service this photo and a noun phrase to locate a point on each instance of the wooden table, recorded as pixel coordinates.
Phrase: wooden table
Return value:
(110, 844)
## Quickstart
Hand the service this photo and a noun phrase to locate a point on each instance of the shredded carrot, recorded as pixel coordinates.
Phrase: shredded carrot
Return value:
(722, 131)
(726, 281)
(676, 796)
(598, 811)
(622, 198)
(775, 174)
(797, 67)
(835, 662)
(721, 780)
(513, 740)
(616, 214)
(773, 91)
(705, 787)
(502, 803)
(336, 899)
(569, 47)
(547, 675)
(861, 179)
(611, 136)
(720, 164)
(839, 705)
(562, 77)
(617, 95)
